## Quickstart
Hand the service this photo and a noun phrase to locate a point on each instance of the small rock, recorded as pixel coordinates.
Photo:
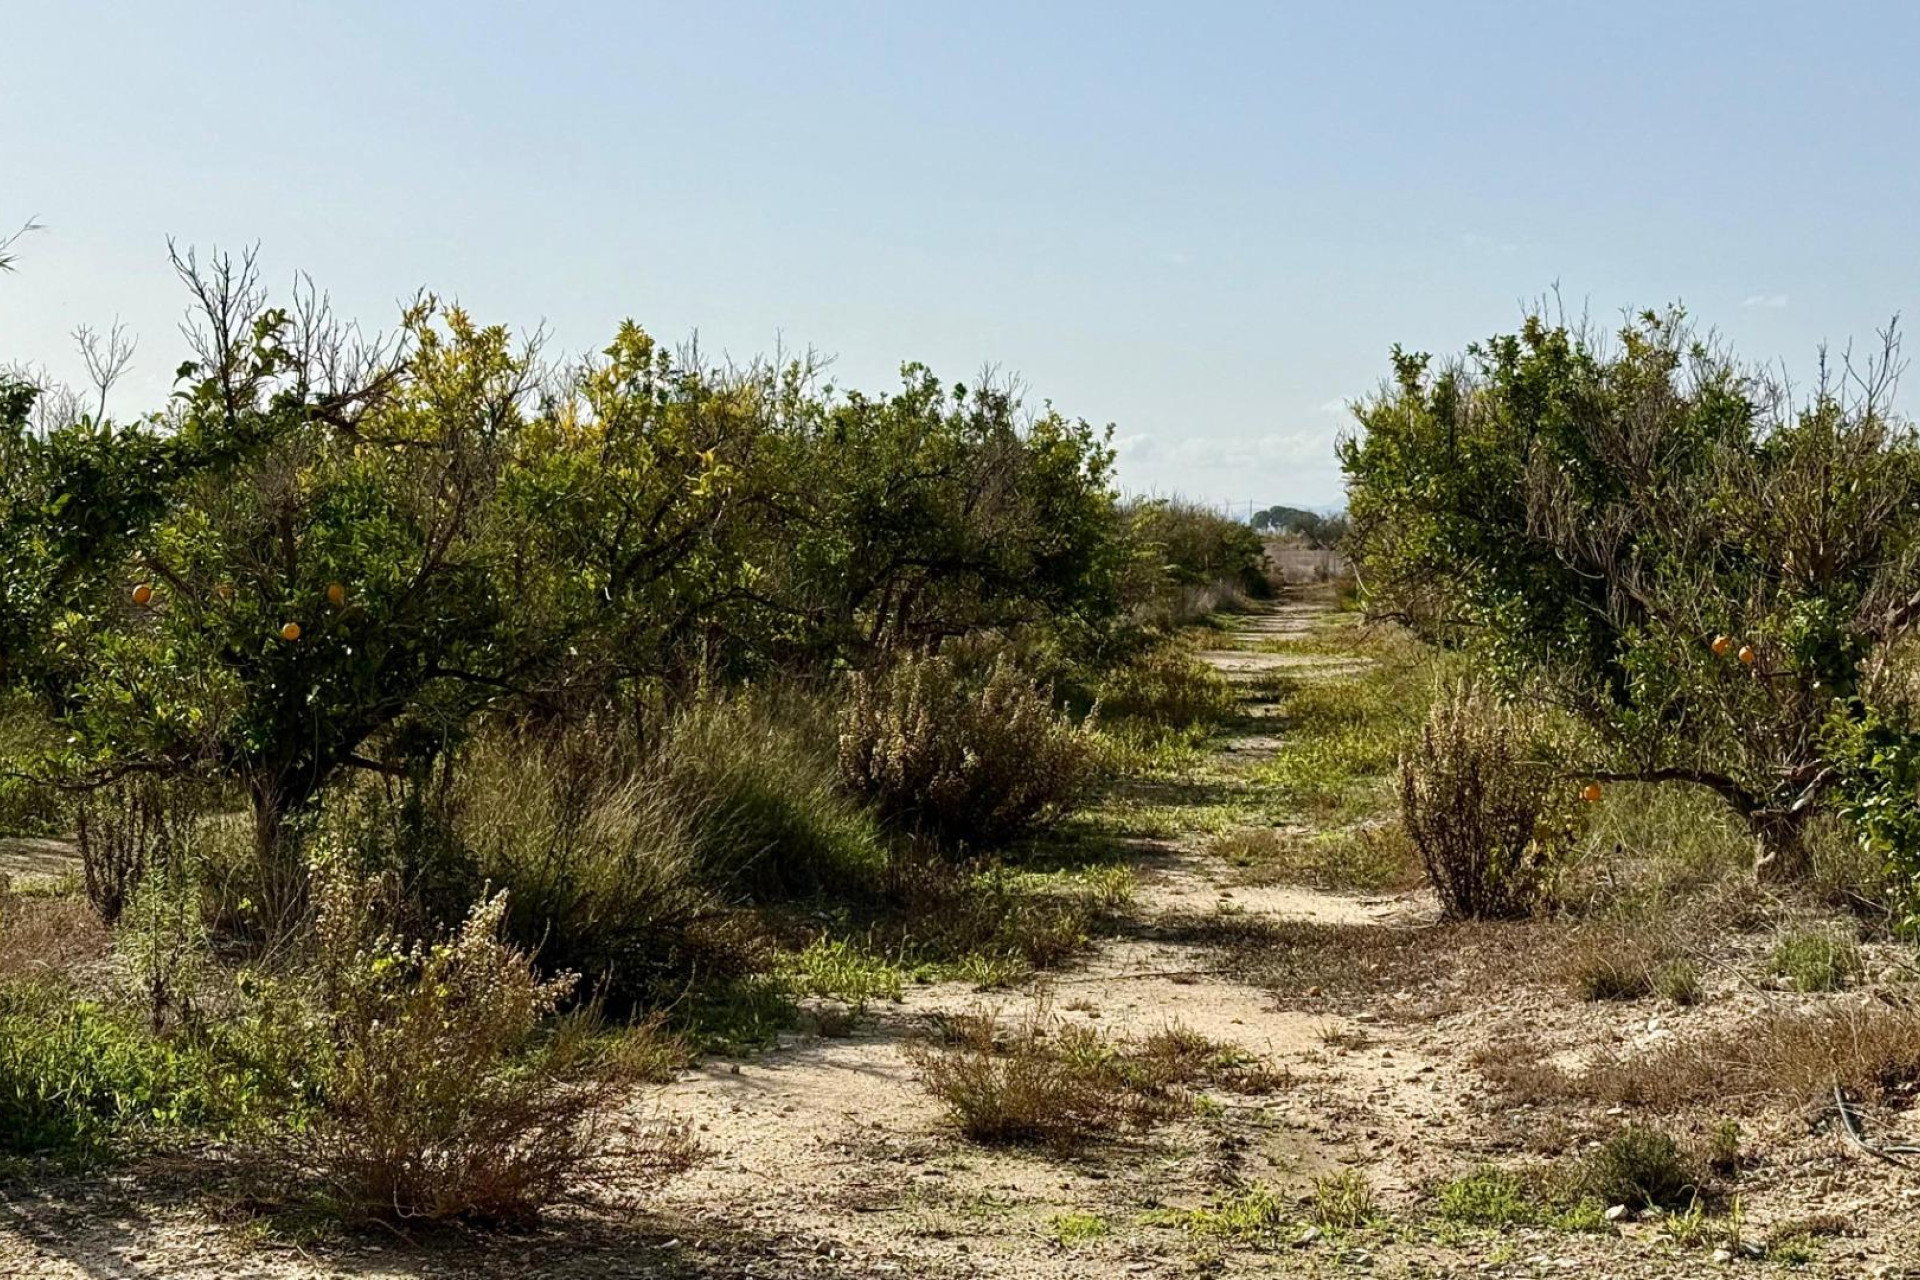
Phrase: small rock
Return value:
(1723, 1255)
(1616, 1213)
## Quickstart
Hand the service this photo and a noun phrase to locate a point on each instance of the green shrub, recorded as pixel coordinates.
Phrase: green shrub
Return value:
(1166, 687)
(978, 765)
(759, 781)
(1640, 1167)
(1476, 808)
(1816, 961)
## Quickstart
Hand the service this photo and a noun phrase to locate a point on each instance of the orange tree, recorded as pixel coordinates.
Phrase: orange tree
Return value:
(1592, 516)
(352, 549)
(900, 520)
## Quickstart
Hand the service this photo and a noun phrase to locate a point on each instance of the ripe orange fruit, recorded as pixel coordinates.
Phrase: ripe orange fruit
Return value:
(142, 593)
(336, 594)
(1720, 646)
(290, 632)
(1590, 793)
(1747, 655)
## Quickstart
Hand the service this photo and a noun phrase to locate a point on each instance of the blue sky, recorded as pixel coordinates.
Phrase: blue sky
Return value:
(1206, 223)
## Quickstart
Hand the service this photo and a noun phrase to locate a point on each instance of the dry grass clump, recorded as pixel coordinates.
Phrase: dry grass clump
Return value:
(1630, 961)
(1787, 1058)
(1371, 857)
(977, 765)
(1055, 1084)
(42, 935)
(1476, 807)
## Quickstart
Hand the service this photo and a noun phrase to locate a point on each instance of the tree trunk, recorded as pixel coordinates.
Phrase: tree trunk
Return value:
(280, 891)
(1780, 852)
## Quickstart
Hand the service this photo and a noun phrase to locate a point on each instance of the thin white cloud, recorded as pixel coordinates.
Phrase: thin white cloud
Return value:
(1772, 301)
(1337, 407)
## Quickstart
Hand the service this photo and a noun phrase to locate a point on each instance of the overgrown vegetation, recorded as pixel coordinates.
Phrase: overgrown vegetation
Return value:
(452, 736)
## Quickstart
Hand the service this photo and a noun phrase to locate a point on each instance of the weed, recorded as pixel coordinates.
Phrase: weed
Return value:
(1487, 1197)
(1639, 1166)
(1070, 1229)
(1250, 1216)
(1343, 1201)
(838, 970)
(1058, 1084)
(1816, 961)
(1477, 808)
(1168, 689)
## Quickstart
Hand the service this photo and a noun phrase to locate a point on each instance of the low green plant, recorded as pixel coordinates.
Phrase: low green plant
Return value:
(1487, 1197)
(1252, 1215)
(836, 969)
(1071, 1229)
(1641, 1167)
(1816, 961)
(1343, 1201)
(78, 1075)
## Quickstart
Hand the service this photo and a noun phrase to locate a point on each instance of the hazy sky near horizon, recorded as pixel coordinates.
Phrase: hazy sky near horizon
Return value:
(1205, 223)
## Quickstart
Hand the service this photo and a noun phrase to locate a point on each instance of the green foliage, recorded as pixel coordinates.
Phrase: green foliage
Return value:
(1318, 530)
(76, 1075)
(1816, 960)
(1640, 1167)
(1590, 517)
(978, 764)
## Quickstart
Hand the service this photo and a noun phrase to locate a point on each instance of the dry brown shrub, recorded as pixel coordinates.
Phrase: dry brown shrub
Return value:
(452, 1092)
(1475, 807)
(976, 765)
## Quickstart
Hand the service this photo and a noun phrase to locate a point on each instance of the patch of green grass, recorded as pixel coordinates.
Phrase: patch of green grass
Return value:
(1488, 1197)
(1071, 1229)
(1494, 1197)
(77, 1075)
(1816, 961)
(836, 969)
(1250, 1216)
(1343, 1201)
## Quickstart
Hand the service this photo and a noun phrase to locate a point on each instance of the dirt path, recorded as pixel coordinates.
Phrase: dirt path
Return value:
(836, 1142)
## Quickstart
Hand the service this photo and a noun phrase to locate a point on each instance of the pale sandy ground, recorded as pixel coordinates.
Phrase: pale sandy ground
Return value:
(826, 1156)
